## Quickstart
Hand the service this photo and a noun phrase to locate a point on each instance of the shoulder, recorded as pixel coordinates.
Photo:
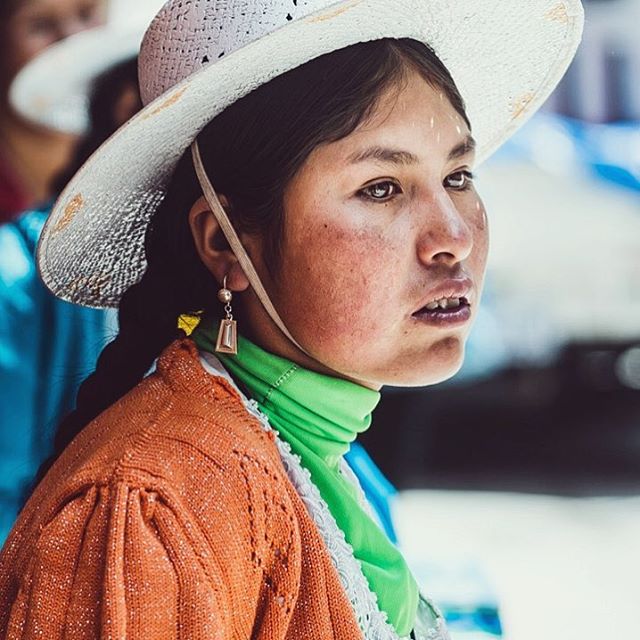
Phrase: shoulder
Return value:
(116, 558)
(26, 228)
(183, 419)
(176, 484)
(182, 435)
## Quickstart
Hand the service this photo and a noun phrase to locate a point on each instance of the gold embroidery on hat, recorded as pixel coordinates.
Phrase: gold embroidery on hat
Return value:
(333, 14)
(171, 100)
(558, 13)
(519, 106)
(75, 204)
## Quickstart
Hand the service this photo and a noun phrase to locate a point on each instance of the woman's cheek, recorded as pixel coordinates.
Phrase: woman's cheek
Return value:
(350, 275)
(482, 221)
(482, 237)
(478, 259)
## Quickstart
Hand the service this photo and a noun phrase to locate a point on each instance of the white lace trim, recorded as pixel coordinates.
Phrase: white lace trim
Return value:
(428, 613)
(371, 620)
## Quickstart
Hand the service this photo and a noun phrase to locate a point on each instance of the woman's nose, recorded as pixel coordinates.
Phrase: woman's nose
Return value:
(446, 238)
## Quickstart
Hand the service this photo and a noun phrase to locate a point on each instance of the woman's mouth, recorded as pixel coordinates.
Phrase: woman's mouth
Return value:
(445, 312)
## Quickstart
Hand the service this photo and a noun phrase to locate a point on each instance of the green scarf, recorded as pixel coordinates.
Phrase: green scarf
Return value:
(320, 416)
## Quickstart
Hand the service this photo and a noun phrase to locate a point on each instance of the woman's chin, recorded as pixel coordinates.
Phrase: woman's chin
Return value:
(437, 365)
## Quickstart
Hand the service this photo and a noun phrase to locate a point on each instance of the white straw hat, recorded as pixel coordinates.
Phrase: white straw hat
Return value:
(53, 89)
(200, 56)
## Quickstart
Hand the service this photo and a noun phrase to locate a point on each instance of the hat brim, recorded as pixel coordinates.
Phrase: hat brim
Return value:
(505, 57)
(54, 89)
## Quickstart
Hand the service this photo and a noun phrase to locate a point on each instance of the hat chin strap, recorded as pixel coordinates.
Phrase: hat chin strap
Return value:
(236, 246)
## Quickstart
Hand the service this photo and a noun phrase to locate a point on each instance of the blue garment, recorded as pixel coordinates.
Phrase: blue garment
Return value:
(377, 488)
(47, 347)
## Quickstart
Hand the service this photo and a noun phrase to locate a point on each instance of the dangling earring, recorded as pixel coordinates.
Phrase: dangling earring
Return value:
(228, 332)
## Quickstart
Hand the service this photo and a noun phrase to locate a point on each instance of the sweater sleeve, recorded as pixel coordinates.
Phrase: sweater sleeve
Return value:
(118, 562)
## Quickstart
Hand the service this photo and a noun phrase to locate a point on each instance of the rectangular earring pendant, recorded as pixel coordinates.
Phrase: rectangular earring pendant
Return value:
(227, 337)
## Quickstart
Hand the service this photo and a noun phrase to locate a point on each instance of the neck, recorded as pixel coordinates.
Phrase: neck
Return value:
(325, 412)
(277, 343)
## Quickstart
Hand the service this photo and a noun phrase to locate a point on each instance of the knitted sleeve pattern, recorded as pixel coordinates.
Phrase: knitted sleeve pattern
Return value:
(169, 528)
(119, 561)
(116, 562)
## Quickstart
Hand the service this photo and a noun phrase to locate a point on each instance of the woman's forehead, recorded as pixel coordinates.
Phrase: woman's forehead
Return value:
(413, 102)
(410, 124)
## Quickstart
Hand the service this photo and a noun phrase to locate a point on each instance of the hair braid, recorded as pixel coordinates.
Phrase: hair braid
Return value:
(174, 282)
(146, 325)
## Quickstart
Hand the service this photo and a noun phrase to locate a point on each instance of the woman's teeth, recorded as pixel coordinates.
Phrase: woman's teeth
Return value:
(444, 303)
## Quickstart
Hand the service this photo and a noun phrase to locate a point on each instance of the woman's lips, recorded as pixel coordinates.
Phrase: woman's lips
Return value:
(448, 313)
(447, 305)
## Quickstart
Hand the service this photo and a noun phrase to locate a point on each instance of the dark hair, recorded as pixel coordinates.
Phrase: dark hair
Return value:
(251, 151)
(105, 94)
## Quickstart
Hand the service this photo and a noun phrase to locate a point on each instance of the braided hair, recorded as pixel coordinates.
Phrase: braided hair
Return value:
(174, 282)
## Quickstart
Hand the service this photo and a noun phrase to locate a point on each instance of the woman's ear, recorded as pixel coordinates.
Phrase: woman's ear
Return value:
(212, 246)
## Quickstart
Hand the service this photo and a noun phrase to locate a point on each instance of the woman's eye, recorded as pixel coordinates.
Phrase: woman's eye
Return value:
(381, 191)
(459, 181)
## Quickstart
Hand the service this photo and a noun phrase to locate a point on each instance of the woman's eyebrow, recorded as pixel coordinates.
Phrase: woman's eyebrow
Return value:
(468, 145)
(383, 154)
(400, 157)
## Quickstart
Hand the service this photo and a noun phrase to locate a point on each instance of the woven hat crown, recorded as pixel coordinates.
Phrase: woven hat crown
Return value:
(189, 34)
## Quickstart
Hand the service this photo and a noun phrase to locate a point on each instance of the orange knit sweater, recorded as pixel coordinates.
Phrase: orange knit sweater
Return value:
(171, 516)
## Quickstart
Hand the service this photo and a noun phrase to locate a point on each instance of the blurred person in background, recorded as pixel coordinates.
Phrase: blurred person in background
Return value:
(47, 346)
(31, 156)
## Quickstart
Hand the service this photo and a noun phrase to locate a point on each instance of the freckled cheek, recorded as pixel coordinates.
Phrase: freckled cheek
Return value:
(484, 231)
(475, 212)
(346, 279)
(480, 230)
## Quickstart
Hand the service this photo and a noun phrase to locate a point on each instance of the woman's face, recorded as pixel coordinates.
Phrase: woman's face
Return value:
(36, 24)
(380, 226)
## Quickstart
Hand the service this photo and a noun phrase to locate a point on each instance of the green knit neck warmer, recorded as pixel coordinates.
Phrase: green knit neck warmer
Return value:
(320, 416)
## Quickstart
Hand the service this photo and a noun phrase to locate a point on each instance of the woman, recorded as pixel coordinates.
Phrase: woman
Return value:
(31, 156)
(345, 238)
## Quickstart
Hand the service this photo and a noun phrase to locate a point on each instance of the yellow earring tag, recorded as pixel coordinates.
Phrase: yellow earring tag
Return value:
(188, 323)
